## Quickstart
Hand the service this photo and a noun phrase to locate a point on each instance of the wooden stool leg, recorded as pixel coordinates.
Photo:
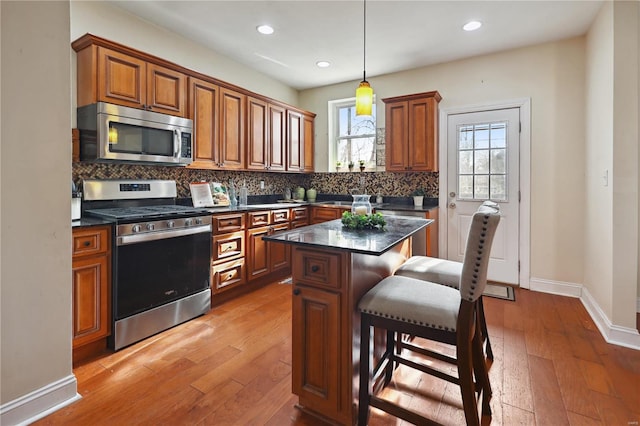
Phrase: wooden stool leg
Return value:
(483, 328)
(365, 371)
(482, 375)
(467, 388)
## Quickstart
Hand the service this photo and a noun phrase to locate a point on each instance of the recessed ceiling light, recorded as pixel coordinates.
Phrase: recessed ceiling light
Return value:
(472, 25)
(265, 29)
(323, 64)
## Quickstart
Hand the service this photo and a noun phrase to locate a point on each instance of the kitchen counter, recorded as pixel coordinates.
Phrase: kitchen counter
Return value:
(332, 235)
(332, 268)
(88, 221)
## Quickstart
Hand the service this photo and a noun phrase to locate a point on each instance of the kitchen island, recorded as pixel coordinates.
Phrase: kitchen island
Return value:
(332, 268)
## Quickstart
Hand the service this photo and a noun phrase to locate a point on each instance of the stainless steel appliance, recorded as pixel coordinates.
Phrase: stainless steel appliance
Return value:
(111, 132)
(161, 256)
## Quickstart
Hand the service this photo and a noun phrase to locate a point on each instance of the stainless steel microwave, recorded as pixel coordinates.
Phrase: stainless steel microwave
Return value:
(116, 133)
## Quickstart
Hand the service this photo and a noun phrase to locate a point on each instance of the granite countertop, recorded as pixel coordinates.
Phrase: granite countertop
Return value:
(333, 235)
(87, 221)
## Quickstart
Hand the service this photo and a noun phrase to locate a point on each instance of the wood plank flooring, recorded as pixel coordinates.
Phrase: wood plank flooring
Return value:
(233, 367)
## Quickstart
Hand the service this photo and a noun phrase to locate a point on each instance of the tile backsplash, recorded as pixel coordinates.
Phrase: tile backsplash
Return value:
(387, 184)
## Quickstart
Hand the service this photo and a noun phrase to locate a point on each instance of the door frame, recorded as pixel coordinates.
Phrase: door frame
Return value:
(524, 216)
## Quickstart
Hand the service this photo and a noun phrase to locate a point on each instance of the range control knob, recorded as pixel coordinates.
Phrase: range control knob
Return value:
(188, 222)
(136, 228)
(198, 221)
(171, 224)
(150, 226)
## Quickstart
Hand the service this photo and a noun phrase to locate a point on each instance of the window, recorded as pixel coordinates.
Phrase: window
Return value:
(353, 138)
(482, 167)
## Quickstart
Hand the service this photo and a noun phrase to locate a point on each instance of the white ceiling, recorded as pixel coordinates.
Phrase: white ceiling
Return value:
(401, 35)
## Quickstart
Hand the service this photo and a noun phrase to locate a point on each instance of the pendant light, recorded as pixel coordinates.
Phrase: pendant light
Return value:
(364, 92)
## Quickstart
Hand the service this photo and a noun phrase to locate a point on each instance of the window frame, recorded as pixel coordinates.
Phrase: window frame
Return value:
(334, 107)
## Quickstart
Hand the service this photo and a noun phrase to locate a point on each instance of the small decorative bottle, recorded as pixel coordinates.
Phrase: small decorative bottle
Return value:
(233, 199)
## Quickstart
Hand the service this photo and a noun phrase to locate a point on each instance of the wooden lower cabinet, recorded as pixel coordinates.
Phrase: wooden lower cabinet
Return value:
(316, 342)
(91, 285)
(228, 252)
(327, 286)
(265, 258)
(324, 214)
(432, 233)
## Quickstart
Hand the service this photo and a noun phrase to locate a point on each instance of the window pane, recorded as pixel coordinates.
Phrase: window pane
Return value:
(465, 187)
(466, 162)
(498, 135)
(481, 163)
(465, 137)
(499, 187)
(481, 187)
(363, 149)
(481, 136)
(342, 154)
(363, 124)
(498, 164)
(343, 120)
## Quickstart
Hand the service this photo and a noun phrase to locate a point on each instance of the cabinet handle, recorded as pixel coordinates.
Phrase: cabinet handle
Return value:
(86, 243)
(315, 268)
(296, 291)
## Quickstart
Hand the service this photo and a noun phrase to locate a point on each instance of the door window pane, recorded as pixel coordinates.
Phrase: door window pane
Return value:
(482, 161)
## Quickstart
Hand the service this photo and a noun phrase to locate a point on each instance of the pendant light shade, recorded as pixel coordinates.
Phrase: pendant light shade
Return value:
(364, 92)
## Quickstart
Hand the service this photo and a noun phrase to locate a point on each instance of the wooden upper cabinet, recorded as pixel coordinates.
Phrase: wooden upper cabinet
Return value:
(295, 141)
(412, 132)
(266, 136)
(232, 123)
(130, 81)
(166, 90)
(309, 136)
(203, 110)
(121, 79)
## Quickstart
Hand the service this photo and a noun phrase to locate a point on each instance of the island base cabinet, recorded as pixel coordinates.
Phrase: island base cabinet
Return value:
(315, 339)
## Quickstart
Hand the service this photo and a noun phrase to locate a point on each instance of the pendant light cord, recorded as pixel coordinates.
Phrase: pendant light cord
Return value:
(364, 48)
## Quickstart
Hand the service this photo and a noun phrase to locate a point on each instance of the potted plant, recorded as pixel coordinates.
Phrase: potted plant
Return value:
(338, 165)
(361, 165)
(418, 197)
(350, 165)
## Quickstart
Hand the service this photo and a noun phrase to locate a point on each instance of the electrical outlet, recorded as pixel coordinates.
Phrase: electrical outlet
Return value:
(261, 184)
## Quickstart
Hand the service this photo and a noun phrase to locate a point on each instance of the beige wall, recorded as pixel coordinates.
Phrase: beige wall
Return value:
(98, 18)
(35, 190)
(552, 75)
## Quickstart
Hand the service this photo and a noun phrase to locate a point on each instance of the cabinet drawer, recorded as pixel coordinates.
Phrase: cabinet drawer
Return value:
(227, 223)
(316, 268)
(90, 241)
(298, 213)
(280, 216)
(324, 214)
(226, 246)
(227, 275)
(257, 219)
(299, 223)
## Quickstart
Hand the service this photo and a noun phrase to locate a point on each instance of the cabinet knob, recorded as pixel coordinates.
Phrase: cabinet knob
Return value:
(296, 291)
(315, 268)
(86, 243)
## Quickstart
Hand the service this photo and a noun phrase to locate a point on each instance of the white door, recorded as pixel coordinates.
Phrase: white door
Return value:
(483, 164)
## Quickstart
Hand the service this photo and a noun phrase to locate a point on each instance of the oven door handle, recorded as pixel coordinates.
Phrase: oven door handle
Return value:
(161, 235)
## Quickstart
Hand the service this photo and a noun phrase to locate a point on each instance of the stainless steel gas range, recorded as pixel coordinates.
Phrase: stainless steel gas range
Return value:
(161, 256)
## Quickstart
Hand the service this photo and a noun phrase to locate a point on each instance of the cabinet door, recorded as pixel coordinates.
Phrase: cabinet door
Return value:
(257, 253)
(257, 128)
(324, 214)
(397, 136)
(166, 90)
(203, 110)
(277, 136)
(232, 139)
(309, 135)
(122, 79)
(422, 154)
(279, 254)
(227, 275)
(90, 299)
(295, 142)
(316, 348)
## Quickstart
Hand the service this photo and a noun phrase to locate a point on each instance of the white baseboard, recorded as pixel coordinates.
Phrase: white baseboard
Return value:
(40, 403)
(614, 334)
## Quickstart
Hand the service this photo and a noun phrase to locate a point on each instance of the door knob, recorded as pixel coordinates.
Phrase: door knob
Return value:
(452, 205)
(452, 194)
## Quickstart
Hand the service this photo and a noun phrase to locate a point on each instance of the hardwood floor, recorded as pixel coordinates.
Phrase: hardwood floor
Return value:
(233, 367)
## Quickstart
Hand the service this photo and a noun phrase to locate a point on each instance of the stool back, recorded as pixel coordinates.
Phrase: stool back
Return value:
(473, 279)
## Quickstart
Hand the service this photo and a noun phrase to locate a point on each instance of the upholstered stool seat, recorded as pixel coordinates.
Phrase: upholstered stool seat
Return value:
(446, 273)
(412, 301)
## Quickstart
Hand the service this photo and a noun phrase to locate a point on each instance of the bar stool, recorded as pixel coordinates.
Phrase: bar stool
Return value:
(446, 272)
(403, 305)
